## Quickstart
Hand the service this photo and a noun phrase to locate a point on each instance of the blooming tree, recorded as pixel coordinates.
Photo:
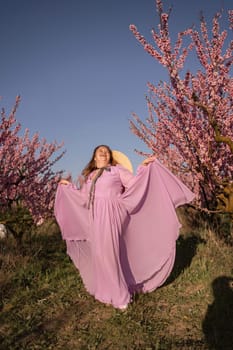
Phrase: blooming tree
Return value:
(190, 122)
(27, 181)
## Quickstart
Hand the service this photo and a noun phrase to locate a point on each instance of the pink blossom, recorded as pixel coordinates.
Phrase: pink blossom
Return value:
(190, 115)
(26, 168)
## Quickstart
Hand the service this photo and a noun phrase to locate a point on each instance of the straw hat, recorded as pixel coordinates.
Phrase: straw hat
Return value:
(122, 159)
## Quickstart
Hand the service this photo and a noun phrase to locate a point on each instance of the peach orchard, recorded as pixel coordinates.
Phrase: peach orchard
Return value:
(190, 117)
(27, 181)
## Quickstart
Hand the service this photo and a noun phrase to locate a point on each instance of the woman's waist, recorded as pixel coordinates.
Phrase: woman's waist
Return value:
(107, 196)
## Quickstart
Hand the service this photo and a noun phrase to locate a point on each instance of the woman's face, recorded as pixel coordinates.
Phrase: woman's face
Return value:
(102, 157)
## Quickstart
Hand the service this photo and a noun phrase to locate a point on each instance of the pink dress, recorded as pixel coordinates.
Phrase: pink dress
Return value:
(126, 240)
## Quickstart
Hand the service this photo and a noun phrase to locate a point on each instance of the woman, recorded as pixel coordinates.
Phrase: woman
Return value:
(121, 229)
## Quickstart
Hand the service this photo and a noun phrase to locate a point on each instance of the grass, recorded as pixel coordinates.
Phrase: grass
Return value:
(45, 306)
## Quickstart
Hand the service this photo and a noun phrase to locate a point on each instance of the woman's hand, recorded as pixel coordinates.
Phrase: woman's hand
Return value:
(64, 182)
(148, 160)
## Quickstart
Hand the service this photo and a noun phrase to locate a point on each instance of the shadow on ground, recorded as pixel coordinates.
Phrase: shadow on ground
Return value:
(186, 248)
(218, 323)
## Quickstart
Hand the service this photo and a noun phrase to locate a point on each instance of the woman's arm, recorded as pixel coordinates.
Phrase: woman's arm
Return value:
(64, 182)
(148, 160)
(126, 176)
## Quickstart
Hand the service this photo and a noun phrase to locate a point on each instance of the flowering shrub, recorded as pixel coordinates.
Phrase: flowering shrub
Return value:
(27, 181)
(190, 122)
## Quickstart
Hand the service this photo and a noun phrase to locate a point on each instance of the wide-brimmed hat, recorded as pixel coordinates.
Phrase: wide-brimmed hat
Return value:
(122, 159)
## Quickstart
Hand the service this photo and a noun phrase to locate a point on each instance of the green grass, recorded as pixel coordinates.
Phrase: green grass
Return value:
(45, 306)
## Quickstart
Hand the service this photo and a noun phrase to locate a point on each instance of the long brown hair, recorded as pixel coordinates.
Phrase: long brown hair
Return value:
(92, 165)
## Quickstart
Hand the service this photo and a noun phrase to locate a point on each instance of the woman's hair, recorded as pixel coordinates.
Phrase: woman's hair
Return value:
(92, 165)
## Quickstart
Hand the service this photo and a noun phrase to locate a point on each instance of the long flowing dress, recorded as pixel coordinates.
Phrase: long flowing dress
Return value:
(125, 241)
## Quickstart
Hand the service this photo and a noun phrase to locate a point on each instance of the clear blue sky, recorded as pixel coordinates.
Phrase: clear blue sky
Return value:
(80, 71)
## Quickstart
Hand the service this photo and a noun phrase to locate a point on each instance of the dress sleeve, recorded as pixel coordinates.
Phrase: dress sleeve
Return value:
(125, 175)
(151, 232)
(71, 212)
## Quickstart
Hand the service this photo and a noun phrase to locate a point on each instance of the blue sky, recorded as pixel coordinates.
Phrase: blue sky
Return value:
(80, 71)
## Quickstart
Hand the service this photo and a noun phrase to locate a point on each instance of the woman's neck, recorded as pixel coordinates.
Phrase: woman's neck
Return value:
(101, 166)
